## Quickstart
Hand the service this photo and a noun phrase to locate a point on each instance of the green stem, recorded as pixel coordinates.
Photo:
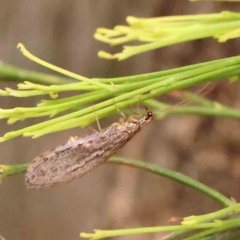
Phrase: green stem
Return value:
(99, 234)
(123, 96)
(10, 73)
(235, 208)
(220, 63)
(27, 54)
(212, 109)
(176, 177)
(8, 170)
(227, 224)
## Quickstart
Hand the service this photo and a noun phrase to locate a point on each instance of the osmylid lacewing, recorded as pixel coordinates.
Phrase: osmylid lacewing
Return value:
(75, 158)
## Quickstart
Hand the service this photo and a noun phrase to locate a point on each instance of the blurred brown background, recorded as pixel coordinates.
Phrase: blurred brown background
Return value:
(113, 196)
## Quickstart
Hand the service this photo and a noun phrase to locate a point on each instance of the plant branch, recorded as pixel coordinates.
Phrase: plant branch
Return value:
(176, 177)
(10, 73)
(123, 94)
(165, 31)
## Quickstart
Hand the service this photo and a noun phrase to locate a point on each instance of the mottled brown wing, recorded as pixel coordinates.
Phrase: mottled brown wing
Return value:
(72, 160)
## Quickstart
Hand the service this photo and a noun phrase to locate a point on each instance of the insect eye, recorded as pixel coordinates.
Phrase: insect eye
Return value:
(149, 114)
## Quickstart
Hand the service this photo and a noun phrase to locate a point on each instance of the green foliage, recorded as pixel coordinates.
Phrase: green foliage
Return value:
(108, 95)
(165, 31)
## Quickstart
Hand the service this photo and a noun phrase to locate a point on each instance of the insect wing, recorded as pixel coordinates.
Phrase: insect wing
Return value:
(72, 160)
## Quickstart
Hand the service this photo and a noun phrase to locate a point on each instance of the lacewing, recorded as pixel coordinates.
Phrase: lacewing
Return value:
(77, 157)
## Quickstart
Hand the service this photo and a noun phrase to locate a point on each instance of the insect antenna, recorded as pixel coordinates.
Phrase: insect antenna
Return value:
(184, 102)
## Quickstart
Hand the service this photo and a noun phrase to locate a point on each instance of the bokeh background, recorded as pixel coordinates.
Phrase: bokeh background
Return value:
(113, 196)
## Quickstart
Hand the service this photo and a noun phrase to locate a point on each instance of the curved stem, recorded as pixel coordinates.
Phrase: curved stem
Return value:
(176, 177)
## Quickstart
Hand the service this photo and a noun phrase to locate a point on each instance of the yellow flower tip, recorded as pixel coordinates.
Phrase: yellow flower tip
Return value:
(22, 49)
(102, 38)
(218, 106)
(104, 31)
(2, 170)
(53, 95)
(25, 85)
(86, 235)
(20, 46)
(12, 121)
(37, 135)
(2, 139)
(21, 86)
(8, 89)
(132, 20)
(54, 113)
(106, 55)
(3, 93)
(222, 39)
(100, 30)
(27, 134)
(40, 104)
(97, 36)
